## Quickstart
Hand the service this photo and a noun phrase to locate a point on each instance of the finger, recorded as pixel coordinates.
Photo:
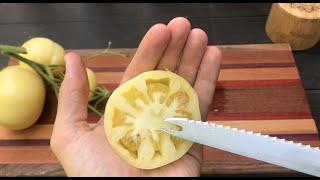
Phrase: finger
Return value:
(149, 51)
(196, 152)
(204, 86)
(74, 91)
(180, 29)
(192, 55)
(207, 77)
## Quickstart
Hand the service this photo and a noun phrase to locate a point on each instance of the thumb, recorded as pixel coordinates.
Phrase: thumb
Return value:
(73, 95)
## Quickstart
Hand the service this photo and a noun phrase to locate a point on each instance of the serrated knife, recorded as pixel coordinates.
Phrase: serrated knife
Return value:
(288, 154)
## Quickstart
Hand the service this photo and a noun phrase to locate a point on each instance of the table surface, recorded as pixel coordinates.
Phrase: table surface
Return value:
(90, 26)
(249, 75)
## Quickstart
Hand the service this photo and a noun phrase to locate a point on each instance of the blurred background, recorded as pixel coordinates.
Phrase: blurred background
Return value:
(89, 25)
(86, 25)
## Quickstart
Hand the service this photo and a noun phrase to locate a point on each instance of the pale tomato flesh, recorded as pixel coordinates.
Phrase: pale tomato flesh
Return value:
(135, 114)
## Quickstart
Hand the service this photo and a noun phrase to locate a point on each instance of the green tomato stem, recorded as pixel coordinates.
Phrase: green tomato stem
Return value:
(95, 110)
(45, 71)
(52, 82)
(38, 68)
(105, 51)
(13, 49)
(56, 65)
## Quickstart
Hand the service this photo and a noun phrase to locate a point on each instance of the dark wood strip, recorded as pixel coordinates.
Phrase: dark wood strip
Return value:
(257, 65)
(271, 100)
(253, 84)
(208, 168)
(248, 168)
(216, 116)
(31, 169)
(111, 86)
(234, 54)
(46, 142)
(109, 69)
(223, 66)
(298, 137)
(243, 84)
(25, 142)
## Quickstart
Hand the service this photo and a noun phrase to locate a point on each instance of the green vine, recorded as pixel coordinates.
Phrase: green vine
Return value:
(106, 51)
(99, 96)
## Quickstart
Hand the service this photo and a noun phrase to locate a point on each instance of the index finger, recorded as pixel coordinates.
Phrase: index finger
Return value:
(149, 52)
(207, 77)
(73, 95)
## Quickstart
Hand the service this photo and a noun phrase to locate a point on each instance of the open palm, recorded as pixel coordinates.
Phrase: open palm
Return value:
(83, 150)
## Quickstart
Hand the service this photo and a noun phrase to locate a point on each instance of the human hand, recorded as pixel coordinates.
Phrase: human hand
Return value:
(83, 150)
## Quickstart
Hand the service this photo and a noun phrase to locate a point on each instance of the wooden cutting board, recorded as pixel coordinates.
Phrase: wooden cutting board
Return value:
(259, 89)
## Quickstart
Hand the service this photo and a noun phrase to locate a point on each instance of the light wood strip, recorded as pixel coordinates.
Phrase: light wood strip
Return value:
(225, 74)
(294, 126)
(26, 154)
(298, 126)
(258, 74)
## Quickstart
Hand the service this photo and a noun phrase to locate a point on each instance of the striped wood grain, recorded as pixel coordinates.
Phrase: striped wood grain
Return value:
(259, 89)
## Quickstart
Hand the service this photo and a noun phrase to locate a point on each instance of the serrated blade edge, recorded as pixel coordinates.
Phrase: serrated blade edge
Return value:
(288, 154)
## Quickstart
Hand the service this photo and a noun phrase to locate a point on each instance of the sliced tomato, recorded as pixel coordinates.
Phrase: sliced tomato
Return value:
(136, 111)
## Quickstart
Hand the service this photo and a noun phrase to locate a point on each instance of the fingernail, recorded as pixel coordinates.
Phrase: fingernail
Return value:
(71, 56)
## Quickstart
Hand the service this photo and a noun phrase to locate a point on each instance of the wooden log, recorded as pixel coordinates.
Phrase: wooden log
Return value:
(295, 23)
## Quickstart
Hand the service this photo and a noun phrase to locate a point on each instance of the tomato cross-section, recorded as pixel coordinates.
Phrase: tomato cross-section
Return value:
(135, 114)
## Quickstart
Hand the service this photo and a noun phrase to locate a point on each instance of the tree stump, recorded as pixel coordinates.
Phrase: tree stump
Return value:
(295, 23)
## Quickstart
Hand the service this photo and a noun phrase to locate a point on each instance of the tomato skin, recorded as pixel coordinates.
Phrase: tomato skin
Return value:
(43, 51)
(92, 81)
(22, 97)
(135, 113)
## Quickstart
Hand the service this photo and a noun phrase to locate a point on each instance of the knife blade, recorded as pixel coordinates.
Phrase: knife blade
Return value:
(288, 154)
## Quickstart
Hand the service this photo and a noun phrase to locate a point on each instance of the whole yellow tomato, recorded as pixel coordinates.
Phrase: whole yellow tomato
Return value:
(135, 114)
(44, 51)
(92, 81)
(22, 97)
